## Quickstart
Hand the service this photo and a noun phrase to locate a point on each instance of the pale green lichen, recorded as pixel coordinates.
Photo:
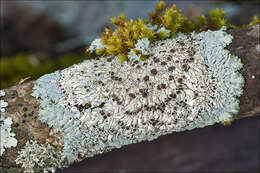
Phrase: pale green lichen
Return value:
(186, 82)
(225, 67)
(48, 91)
(36, 157)
(7, 139)
(3, 104)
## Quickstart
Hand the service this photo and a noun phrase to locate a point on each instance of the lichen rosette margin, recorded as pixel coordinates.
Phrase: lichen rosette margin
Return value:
(189, 81)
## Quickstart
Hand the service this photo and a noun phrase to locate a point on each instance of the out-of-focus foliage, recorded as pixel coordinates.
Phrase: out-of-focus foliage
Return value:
(25, 29)
(120, 41)
(22, 65)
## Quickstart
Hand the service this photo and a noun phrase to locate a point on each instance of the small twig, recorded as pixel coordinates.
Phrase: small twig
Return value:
(23, 80)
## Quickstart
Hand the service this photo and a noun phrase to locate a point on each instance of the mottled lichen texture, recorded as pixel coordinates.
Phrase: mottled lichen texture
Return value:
(34, 155)
(7, 138)
(189, 81)
(3, 104)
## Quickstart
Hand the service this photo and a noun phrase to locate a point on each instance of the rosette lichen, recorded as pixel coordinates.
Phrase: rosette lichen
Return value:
(151, 78)
(187, 82)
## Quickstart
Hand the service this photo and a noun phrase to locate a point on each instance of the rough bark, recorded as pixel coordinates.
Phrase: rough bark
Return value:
(246, 46)
(23, 108)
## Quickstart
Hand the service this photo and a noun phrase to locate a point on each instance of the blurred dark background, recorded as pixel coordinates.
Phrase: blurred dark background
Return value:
(39, 37)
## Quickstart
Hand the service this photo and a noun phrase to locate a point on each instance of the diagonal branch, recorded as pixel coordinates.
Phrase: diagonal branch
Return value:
(24, 108)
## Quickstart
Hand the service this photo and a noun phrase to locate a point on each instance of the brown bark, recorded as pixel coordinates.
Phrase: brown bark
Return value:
(23, 108)
(247, 47)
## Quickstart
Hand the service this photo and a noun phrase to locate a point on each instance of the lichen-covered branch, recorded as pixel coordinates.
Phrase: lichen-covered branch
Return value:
(188, 82)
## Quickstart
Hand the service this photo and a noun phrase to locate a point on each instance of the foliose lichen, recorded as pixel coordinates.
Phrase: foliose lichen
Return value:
(3, 104)
(183, 81)
(39, 157)
(188, 82)
(7, 139)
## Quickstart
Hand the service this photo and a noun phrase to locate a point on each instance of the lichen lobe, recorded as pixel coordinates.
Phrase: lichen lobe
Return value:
(189, 81)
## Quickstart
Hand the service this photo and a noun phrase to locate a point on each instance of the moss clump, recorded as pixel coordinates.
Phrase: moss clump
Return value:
(163, 23)
(255, 21)
(173, 19)
(126, 35)
(217, 19)
(226, 123)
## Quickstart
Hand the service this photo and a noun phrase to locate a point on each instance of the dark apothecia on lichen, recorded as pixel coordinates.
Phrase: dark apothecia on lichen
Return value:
(150, 79)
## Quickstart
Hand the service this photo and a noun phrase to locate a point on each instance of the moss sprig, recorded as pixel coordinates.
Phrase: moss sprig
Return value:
(255, 21)
(125, 37)
(162, 23)
(217, 19)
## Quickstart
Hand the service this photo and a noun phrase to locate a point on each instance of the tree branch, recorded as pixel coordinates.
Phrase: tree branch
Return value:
(246, 46)
(24, 108)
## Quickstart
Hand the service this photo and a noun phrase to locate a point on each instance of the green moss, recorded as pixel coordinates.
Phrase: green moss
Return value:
(200, 22)
(255, 21)
(227, 123)
(217, 18)
(173, 19)
(123, 39)
(155, 17)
